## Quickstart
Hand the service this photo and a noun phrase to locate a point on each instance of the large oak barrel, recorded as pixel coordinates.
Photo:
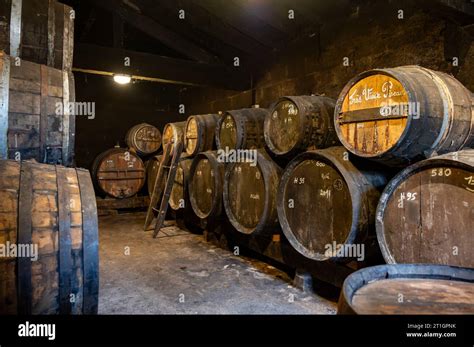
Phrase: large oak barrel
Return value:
(298, 123)
(179, 193)
(415, 289)
(50, 211)
(327, 203)
(36, 120)
(241, 129)
(426, 212)
(119, 173)
(250, 190)
(173, 133)
(200, 133)
(404, 114)
(205, 185)
(144, 139)
(40, 31)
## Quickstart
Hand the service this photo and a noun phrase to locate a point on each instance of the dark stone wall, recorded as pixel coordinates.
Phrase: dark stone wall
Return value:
(371, 37)
(117, 109)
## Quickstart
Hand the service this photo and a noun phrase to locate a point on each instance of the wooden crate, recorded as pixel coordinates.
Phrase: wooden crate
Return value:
(31, 124)
(40, 31)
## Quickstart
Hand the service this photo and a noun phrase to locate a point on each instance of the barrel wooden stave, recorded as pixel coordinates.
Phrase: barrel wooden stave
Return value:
(440, 120)
(299, 123)
(179, 192)
(425, 213)
(144, 139)
(340, 192)
(58, 229)
(241, 129)
(426, 289)
(116, 176)
(250, 195)
(205, 185)
(200, 133)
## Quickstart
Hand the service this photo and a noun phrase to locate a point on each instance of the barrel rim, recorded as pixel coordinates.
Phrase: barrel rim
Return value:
(239, 128)
(391, 72)
(266, 127)
(360, 278)
(266, 174)
(443, 160)
(357, 207)
(197, 148)
(217, 198)
(185, 184)
(132, 143)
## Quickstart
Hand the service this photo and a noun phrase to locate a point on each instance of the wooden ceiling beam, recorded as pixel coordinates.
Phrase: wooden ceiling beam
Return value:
(109, 61)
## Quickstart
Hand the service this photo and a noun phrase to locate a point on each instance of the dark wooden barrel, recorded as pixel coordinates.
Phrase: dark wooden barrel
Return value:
(404, 114)
(241, 129)
(298, 123)
(200, 133)
(205, 185)
(326, 198)
(36, 122)
(250, 191)
(415, 289)
(144, 139)
(151, 167)
(52, 208)
(173, 132)
(118, 173)
(43, 33)
(426, 212)
(179, 192)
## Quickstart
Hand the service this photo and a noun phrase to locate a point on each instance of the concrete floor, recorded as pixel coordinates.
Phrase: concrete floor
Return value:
(183, 274)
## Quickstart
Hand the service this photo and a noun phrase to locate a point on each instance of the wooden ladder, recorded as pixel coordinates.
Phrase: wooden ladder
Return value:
(168, 168)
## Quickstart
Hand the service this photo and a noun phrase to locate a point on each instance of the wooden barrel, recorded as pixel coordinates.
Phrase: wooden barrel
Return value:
(250, 191)
(151, 167)
(205, 185)
(173, 132)
(298, 123)
(49, 214)
(38, 31)
(119, 173)
(200, 133)
(327, 202)
(426, 212)
(179, 192)
(36, 121)
(415, 289)
(241, 129)
(144, 139)
(404, 114)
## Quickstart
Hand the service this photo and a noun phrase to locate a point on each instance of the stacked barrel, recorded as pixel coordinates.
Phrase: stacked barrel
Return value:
(48, 215)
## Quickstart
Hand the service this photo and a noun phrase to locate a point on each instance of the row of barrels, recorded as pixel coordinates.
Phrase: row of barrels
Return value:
(328, 197)
(393, 116)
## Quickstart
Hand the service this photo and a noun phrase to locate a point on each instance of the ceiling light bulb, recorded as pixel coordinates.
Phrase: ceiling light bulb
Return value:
(122, 79)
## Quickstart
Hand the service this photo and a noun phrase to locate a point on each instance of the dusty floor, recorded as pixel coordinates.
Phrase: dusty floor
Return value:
(183, 274)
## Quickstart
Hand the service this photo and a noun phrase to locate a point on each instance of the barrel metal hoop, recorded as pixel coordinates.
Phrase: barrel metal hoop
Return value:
(65, 242)
(25, 229)
(90, 243)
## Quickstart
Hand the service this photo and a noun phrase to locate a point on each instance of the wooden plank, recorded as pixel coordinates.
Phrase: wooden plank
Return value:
(51, 31)
(4, 101)
(109, 61)
(43, 130)
(117, 204)
(25, 229)
(15, 27)
(156, 30)
(366, 115)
